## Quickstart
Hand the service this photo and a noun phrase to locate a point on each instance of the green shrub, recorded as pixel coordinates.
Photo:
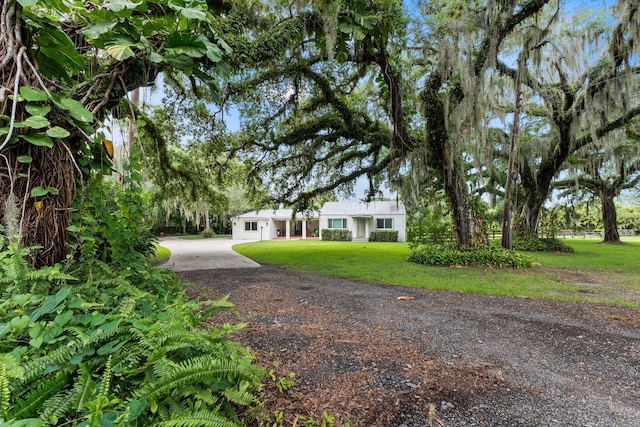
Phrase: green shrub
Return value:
(534, 244)
(383, 236)
(114, 348)
(451, 255)
(109, 221)
(208, 233)
(337, 234)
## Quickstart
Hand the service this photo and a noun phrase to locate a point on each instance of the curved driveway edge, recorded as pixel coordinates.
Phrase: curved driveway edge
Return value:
(204, 254)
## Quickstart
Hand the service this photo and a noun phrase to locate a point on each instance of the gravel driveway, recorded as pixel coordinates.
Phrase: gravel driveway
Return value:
(395, 356)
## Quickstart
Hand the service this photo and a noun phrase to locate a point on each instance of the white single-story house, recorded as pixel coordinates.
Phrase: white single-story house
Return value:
(269, 224)
(359, 217)
(362, 218)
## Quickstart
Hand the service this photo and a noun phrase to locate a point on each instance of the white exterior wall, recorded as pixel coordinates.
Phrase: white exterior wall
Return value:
(239, 233)
(366, 214)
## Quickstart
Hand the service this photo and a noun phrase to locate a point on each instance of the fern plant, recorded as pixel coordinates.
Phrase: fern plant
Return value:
(114, 350)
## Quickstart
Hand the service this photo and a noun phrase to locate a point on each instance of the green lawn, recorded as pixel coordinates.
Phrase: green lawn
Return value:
(161, 255)
(595, 273)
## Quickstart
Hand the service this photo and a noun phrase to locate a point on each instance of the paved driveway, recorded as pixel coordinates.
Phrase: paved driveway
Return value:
(204, 254)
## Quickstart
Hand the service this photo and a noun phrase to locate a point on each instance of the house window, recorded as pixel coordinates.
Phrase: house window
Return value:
(338, 223)
(251, 226)
(384, 223)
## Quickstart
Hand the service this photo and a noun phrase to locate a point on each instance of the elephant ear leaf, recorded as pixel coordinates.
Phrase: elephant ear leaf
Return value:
(57, 56)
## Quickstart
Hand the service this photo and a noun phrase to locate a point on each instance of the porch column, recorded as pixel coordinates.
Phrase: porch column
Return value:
(288, 230)
(304, 228)
(366, 229)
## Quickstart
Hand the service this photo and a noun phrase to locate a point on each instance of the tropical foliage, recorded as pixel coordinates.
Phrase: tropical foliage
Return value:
(105, 347)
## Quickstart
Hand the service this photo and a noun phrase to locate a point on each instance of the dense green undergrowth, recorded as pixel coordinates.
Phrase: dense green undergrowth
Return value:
(92, 346)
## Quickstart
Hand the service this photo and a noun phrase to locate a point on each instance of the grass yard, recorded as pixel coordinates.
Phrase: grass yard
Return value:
(595, 273)
(161, 255)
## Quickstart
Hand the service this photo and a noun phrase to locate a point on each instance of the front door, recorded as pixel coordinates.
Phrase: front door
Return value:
(360, 229)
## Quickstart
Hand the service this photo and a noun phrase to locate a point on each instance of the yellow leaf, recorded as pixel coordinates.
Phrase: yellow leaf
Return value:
(37, 205)
(108, 147)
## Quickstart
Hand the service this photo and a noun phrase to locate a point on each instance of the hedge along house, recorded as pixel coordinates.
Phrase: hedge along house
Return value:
(270, 224)
(363, 218)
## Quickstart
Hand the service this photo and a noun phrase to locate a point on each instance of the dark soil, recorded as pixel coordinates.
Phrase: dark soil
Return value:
(395, 356)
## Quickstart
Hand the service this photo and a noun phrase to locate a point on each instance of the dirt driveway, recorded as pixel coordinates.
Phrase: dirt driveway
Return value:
(403, 357)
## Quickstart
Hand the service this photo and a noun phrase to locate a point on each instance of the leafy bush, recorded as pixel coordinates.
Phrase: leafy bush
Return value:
(109, 222)
(534, 244)
(451, 255)
(116, 348)
(337, 234)
(383, 236)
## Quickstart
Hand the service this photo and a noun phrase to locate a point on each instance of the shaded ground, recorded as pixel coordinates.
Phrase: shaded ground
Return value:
(395, 356)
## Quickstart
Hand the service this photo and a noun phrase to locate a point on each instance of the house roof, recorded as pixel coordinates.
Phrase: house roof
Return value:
(363, 209)
(352, 209)
(272, 213)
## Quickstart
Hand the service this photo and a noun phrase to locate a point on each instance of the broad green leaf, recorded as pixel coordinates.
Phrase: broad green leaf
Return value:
(369, 22)
(156, 58)
(136, 407)
(120, 52)
(35, 122)
(186, 44)
(214, 53)
(76, 109)
(359, 33)
(58, 47)
(35, 342)
(27, 3)
(197, 13)
(96, 30)
(31, 94)
(4, 131)
(21, 322)
(223, 44)
(52, 333)
(181, 62)
(39, 140)
(73, 229)
(345, 27)
(38, 192)
(53, 190)
(111, 347)
(58, 132)
(119, 5)
(37, 110)
(63, 318)
(25, 159)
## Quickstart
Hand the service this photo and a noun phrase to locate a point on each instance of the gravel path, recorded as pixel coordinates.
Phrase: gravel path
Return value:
(404, 357)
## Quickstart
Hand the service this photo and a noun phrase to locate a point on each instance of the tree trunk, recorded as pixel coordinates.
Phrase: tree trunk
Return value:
(609, 215)
(529, 219)
(468, 226)
(537, 185)
(42, 219)
(444, 162)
